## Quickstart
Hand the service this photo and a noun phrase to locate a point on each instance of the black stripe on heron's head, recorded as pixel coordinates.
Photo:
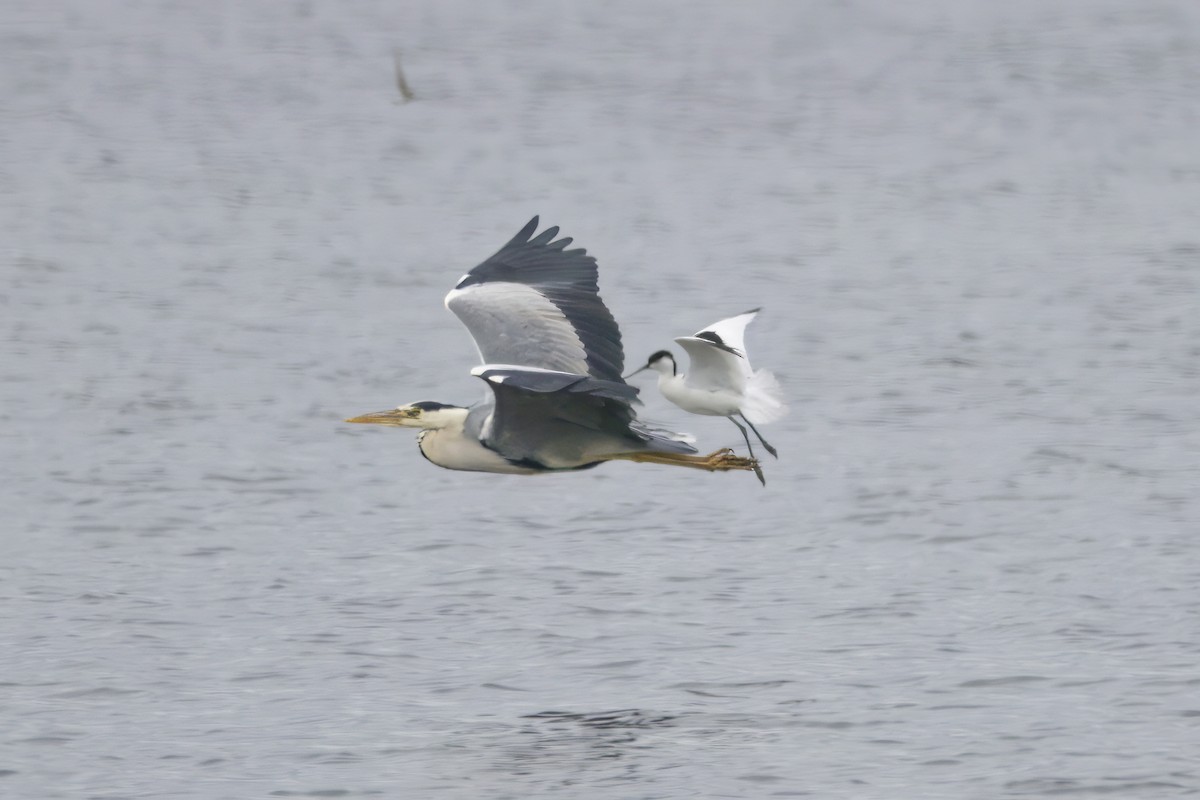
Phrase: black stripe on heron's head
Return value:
(430, 405)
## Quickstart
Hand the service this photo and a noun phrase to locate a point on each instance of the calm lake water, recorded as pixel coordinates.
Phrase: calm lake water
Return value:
(974, 571)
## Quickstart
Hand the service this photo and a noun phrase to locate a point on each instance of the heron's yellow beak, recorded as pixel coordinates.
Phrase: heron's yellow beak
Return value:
(396, 416)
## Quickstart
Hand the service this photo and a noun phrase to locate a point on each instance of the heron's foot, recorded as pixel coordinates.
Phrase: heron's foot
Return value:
(771, 450)
(725, 459)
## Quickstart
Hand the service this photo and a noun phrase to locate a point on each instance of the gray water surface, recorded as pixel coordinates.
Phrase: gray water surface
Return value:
(974, 570)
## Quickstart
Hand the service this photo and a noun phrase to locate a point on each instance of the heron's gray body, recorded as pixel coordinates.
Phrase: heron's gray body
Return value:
(552, 361)
(540, 421)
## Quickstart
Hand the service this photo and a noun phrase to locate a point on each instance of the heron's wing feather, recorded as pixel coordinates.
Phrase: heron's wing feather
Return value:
(547, 382)
(513, 323)
(537, 304)
(712, 367)
(550, 417)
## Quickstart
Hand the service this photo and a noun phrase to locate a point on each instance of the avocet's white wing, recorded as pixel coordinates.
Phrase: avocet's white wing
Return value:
(718, 354)
(732, 334)
(536, 304)
(712, 369)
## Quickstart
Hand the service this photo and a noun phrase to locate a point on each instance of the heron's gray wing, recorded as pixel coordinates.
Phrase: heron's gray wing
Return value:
(713, 367)
(535, 303)
(562, 420)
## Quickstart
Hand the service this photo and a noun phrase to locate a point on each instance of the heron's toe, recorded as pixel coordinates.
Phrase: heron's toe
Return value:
(727, 459)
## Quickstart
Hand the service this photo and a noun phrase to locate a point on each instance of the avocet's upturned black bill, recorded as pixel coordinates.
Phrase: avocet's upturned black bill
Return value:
(552, 363)
(720, 381)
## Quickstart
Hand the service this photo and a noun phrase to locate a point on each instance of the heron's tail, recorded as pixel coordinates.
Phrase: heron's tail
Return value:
(663, 440)
(763, 400)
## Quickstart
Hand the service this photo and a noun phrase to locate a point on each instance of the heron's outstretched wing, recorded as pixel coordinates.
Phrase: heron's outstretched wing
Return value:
(536, 304)
(560, 419)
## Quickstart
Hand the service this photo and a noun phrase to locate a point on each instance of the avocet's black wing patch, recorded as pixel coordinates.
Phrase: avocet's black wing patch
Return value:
(717, 342)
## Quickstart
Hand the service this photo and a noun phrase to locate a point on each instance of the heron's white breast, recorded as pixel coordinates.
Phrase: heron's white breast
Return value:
(451, 449)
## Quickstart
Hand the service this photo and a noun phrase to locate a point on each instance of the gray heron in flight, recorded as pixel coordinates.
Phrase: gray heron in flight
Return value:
(552, 362)
(720, 381)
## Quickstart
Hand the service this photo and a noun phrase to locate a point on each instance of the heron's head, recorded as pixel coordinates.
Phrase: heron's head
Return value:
(426, 415)
(661, 362)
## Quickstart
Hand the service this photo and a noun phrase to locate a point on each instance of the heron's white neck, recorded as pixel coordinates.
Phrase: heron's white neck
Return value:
(445, 442)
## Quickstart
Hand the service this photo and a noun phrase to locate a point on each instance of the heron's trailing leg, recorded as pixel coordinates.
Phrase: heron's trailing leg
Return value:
(720, 461)
(770, 449)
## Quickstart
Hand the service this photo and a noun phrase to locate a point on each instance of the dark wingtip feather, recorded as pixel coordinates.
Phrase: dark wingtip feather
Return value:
(524, 234)
(545, 236)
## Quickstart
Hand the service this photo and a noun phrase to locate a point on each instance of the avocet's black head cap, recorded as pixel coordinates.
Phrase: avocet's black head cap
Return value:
(660, 354)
